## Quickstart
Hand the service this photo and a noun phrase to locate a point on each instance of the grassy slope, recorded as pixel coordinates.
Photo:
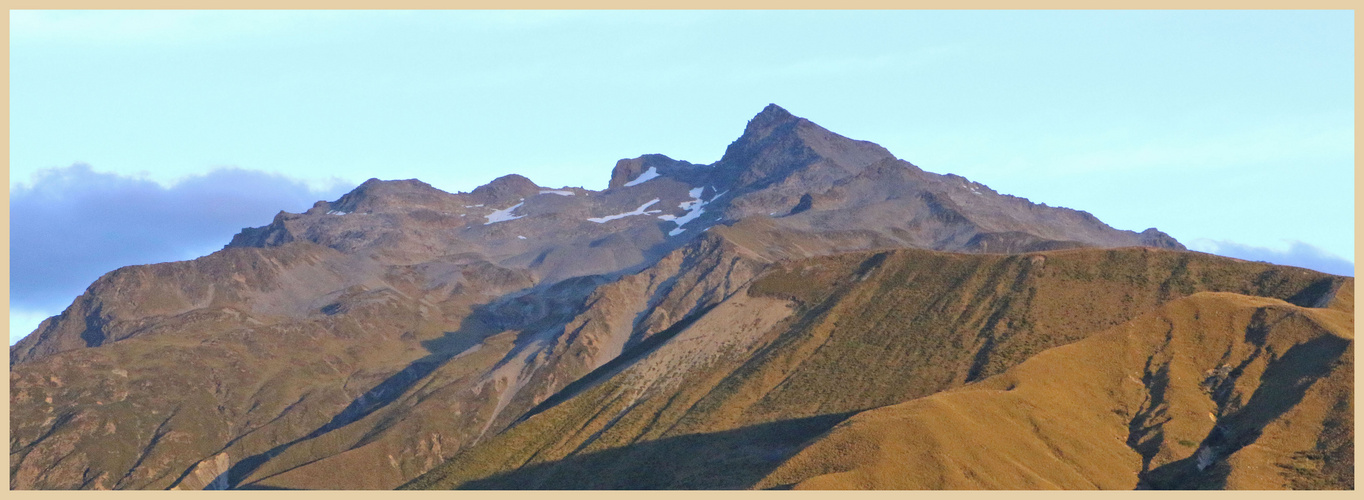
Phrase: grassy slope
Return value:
(82, 411)
(1134, 402)
(136, 412)
(873, 329)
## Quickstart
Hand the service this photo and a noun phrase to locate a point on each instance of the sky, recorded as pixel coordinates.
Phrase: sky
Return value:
(149, 136)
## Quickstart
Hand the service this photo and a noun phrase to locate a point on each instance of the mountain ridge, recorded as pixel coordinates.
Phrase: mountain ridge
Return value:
(1043, 422)
(399, 326)
(875, 332)
(363, 218)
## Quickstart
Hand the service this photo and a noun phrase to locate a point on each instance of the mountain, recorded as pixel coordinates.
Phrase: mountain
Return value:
(690, 326)
(765, 404)
(1211, 391)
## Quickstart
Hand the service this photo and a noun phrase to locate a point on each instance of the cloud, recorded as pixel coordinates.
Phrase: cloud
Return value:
(1298, 254)
(24, 321)
(69, 226)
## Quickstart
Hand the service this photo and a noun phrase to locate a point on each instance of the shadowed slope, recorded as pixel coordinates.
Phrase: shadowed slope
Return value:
(731, 459)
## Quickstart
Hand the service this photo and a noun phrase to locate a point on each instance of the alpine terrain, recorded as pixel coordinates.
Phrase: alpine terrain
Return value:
(807, 312)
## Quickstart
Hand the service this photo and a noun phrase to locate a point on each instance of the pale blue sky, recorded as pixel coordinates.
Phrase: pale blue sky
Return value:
(1228, 130)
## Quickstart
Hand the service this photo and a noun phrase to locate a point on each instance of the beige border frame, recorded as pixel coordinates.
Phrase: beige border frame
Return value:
(650, 5)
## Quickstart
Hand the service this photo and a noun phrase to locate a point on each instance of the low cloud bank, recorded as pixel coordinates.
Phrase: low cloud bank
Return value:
(70, 225)
(1299, 254)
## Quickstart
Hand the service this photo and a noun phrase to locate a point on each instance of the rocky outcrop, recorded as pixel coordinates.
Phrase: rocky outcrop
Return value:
(208, 474)
(777, 145)
(504, 189)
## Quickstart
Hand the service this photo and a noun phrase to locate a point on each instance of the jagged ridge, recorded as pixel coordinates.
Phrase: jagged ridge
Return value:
(399, 324)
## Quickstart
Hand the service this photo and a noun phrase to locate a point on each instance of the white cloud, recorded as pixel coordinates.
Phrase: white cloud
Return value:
(69, 226)
(1297, 254)
(23, 321)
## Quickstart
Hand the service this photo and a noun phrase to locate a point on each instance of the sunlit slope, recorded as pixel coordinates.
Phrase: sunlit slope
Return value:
(1215, 390)
(361, 342)
(868, 330)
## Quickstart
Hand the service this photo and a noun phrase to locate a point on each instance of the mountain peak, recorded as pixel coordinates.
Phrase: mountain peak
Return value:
(774, 108)
(776, 143)
(366, 195)
(512, 181)
(772, 115)
(506, 187)
(631, 170)
(767, 120)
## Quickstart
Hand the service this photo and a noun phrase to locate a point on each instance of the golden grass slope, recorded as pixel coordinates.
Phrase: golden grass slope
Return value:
(869, 329)
(1215, 390)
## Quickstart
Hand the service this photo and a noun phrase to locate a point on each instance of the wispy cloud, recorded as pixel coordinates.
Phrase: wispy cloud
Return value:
(24, 321)
(1298, 254)
(70, 225)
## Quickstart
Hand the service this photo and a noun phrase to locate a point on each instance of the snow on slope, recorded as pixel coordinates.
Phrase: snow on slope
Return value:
(694, 209)
(504, 214)
(648, 174)
(637, 211)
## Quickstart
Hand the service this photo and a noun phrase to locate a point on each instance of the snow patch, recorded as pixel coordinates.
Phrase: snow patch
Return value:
(336, 212)
(648, 174)
(519, 237)
(691, 215)
(558, 192)
(972, 186)
(694, 207)
(504, 214)
(637, 211)
(696, 194)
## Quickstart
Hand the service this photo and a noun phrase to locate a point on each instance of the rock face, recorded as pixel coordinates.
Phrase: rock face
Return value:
(209, 474)
(376, 337)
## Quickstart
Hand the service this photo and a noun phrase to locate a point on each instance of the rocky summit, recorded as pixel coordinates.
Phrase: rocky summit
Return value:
(807, 312)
